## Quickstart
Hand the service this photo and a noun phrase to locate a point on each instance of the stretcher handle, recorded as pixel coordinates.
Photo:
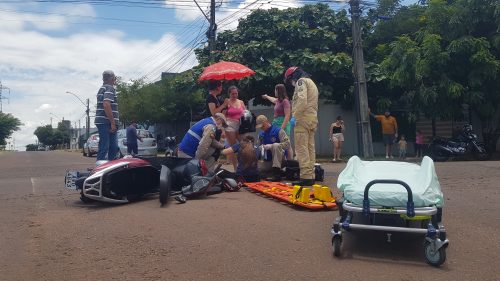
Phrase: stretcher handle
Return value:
(410, 206)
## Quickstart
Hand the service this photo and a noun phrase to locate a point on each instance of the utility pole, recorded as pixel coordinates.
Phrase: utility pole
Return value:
(1, 96)
(212, 29)
(365, 145)
(87, 133)
(87, 112)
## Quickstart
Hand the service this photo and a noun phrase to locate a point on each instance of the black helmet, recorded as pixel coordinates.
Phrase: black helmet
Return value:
(247, 122)
(467, 128)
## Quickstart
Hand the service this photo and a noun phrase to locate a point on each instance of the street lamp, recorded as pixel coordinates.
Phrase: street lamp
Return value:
(87, 111)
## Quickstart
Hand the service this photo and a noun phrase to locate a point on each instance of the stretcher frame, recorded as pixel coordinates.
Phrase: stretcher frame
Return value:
(435, 242)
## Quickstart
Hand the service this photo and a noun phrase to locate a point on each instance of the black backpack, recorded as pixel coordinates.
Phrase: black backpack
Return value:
(319, 173)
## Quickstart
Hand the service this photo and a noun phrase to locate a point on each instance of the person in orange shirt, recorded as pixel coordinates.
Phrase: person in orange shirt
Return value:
(389, 130)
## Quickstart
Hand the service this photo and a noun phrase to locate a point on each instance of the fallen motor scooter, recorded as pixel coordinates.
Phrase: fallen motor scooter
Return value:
(128, 179)
(466, 143)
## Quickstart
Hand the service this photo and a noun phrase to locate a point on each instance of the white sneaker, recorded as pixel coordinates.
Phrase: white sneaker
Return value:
(386, 157)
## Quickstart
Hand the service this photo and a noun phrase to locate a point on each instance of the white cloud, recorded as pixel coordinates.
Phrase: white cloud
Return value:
(39, 69)
(44, 107)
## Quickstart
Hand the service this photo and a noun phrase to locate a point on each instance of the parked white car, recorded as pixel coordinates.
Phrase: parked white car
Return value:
(147, 147)
(91, 146)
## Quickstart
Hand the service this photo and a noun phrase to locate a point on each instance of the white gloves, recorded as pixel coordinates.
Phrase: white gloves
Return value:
(268, 146)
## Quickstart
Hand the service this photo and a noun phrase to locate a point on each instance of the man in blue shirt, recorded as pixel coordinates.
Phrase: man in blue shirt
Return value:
(274, 142)
(132, 137)
(202, 140)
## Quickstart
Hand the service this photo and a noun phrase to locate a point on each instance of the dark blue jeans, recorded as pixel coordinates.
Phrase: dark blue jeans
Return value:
(108, 142)
(132, 148)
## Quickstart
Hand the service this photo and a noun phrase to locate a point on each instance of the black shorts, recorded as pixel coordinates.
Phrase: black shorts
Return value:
(388, 139)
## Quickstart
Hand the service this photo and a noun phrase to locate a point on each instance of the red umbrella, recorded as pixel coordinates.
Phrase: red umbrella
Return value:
(225, 70)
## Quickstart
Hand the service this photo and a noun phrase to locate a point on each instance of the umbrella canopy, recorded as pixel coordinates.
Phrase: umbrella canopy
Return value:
(225, 70)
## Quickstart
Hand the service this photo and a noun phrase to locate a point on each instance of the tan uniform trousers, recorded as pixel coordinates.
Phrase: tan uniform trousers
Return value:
(278, 155)
(209, 160)
(304, 133)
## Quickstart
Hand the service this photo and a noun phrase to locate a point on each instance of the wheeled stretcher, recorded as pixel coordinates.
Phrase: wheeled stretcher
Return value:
(392, 196)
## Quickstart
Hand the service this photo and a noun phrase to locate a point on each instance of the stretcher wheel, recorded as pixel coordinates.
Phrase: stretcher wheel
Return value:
(434, 258)
(336, 242)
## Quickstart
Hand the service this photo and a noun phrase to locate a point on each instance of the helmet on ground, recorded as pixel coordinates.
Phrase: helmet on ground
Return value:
(290, 71)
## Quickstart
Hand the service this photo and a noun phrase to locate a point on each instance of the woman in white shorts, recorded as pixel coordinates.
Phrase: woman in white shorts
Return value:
(337, 137)
(235, 108)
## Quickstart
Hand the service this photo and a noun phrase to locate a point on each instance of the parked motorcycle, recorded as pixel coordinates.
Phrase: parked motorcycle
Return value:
(440, 149)
(171, 146)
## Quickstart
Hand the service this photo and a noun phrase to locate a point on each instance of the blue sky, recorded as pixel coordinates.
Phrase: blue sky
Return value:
(51, 47)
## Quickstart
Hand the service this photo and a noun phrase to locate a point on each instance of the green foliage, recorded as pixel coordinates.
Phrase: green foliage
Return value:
(31, 147)
(8, 125)
(45, 134)
(169, 100)
(442, 55)
(312, 37)
(49, 136)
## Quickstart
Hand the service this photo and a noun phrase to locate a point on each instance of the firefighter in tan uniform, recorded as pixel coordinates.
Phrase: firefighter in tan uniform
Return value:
(305, 111)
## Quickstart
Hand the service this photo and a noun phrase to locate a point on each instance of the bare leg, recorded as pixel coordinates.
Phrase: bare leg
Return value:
(339, 150)
(231, 139)
(335, 149)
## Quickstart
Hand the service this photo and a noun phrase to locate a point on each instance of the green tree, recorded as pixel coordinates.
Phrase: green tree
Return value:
(313, 37)
(45, 134)
(31, 147)
(8, 125)
(169, 100)
(439, 57)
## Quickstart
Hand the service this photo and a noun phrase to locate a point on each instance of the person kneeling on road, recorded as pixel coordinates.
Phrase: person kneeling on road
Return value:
(202, 140)
(274, 141)
(247, 158)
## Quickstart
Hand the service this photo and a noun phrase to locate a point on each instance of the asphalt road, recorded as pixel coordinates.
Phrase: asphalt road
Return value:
(46, 233)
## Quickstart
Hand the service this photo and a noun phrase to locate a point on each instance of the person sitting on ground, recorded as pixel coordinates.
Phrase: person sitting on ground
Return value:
(274, 141)
(202, 140)
(247, 155)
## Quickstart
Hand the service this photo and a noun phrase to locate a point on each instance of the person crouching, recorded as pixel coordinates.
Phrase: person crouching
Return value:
(202, 140)
(247, 158)
(274, 142)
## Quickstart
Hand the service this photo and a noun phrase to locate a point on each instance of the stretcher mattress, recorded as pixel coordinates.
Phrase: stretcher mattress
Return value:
(422, 180)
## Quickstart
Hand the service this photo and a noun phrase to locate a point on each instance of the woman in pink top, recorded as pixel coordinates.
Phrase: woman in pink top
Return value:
(282, 111)
(235, 108)
(419, 143)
